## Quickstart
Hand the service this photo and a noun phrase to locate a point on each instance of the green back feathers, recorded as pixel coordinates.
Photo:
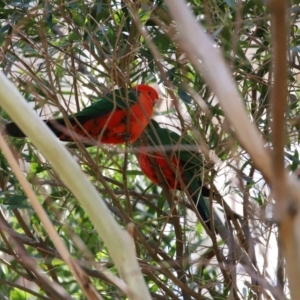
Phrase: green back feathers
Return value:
(172, 142)
(117, 99)
(162, 139)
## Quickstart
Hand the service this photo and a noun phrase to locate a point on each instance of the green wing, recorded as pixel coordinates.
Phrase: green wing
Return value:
(117, 99)
(174, 142)
(190, 158)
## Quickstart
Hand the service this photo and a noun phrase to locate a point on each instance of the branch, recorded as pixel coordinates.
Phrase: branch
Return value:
(208, 60)
(279, 95)
(117, 240)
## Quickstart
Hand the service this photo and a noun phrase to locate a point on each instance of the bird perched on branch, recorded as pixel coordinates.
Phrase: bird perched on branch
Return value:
(118, 117)
(162, 151)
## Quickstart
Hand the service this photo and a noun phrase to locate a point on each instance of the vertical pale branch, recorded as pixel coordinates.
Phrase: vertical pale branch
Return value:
(279, 94)
(81, 277)
(117, 240)
(208, 60)
(286, 210)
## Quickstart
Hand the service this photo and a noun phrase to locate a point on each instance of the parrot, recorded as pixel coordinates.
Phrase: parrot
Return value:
(118, 117)
(175, 156)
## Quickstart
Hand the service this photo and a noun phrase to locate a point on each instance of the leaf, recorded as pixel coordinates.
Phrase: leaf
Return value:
(74, 36)
(14, 200)
(295, 160)
(231, 4)
(4, 28)
(17, 294)
(134, 172)
(184, 96)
